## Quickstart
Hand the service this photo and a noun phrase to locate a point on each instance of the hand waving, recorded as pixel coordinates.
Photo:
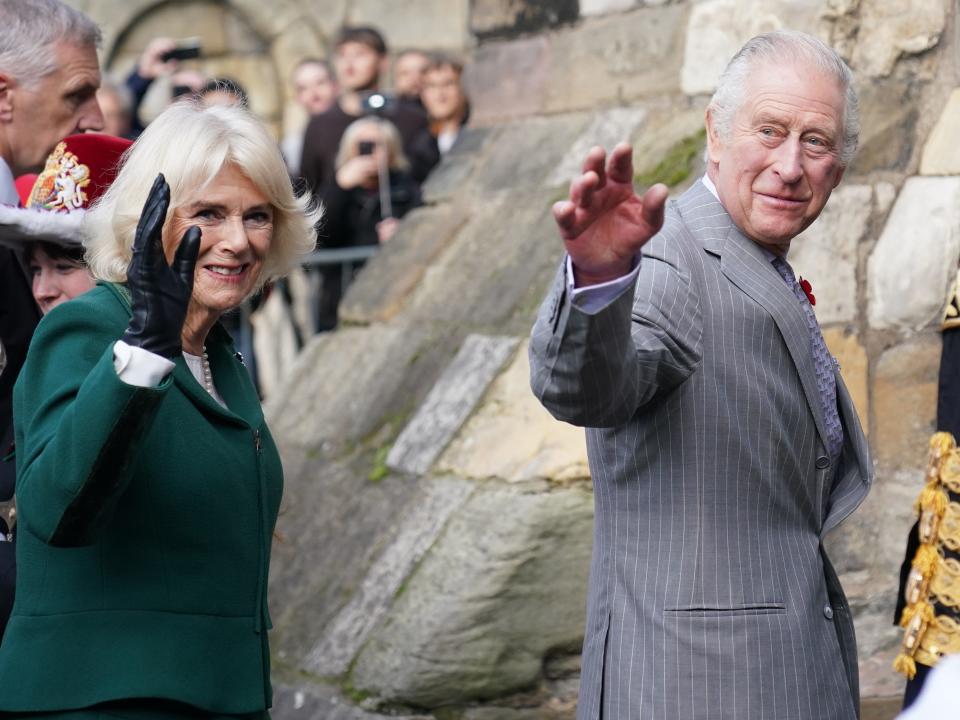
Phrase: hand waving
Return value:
(604, 223)
(160, 293)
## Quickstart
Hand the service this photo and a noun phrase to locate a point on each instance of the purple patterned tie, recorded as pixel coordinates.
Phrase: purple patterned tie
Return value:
(823, 361)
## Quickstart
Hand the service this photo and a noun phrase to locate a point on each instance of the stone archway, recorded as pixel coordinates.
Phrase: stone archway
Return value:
(255, 43)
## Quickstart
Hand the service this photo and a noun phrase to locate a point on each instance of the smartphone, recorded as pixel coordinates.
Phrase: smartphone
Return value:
(365, 147)
(185, 50)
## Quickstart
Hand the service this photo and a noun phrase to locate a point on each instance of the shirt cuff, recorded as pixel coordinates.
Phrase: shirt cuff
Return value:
(594, 298)
(139, 367)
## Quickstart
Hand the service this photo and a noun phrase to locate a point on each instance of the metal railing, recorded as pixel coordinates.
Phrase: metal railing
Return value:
(348, 258)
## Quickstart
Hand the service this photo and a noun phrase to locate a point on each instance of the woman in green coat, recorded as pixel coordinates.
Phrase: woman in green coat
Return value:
(148, 484)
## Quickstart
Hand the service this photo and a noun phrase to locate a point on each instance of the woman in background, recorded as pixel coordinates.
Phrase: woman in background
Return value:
(373, 188)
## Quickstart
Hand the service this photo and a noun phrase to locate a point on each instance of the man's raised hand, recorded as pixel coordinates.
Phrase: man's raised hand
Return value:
(604, 223)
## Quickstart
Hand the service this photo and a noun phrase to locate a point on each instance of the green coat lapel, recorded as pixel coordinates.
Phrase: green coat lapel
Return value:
(229, 376)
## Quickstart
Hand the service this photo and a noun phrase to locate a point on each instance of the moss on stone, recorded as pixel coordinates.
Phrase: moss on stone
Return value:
(380, 469)
(353, 693)
(676, 165)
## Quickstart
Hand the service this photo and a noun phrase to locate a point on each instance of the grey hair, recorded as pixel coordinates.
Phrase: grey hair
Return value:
(786, 46)
(190, 143)
(29, 32)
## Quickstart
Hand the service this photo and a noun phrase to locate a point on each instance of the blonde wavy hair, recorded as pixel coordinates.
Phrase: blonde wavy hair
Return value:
(190, 144)
(389, 135)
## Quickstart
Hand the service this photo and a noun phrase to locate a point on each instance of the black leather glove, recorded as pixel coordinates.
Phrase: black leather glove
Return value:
(159, 293)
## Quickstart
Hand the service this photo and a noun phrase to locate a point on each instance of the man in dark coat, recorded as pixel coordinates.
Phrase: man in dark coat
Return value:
(49, 75)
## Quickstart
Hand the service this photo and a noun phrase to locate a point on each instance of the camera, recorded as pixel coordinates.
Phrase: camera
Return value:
(379, 104)
(185, 50)
(365, 147)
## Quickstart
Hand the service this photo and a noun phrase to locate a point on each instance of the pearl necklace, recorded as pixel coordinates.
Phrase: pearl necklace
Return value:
(207, 373)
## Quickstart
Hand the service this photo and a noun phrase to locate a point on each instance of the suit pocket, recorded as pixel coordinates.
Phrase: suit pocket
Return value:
(715, 611)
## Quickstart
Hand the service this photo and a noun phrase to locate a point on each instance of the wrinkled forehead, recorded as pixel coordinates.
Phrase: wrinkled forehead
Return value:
(794, 86)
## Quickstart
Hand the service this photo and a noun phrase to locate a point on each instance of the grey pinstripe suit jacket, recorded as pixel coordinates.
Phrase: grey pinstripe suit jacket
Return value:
(710, 594)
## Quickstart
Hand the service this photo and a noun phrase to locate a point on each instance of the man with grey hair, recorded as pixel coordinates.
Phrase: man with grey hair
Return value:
(49, 75)
(723, 444)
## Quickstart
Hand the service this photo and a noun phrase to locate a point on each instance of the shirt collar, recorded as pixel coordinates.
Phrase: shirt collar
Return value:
(708, 184)
(8, 191)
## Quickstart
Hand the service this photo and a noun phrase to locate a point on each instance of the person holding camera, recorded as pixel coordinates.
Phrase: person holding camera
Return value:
(373, 188)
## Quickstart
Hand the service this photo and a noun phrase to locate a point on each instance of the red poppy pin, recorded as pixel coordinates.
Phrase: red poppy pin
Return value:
(808, 290)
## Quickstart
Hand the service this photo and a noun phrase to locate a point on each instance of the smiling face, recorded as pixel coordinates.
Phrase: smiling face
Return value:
(54, 280)
(236, 221)
(34, 118)
(776, 170)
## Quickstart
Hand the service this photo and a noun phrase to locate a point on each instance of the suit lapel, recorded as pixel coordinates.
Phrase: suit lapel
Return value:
(745, 265)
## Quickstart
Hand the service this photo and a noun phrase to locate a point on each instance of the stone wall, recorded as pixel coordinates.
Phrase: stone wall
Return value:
(436, 526)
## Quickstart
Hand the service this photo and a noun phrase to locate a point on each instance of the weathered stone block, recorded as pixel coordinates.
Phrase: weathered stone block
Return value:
(450, 402)
(452, 175)
(888, 112)
(439, 24)
(601, 7)
(349, 630)
(615, 59)
(492, 18)
(607, 128)
(889, 30)
(941, 154)
(916, 257)
(495, 271)
(504, 585)
(718, 28)
(342, 386)
(334, 526)
(667, 128)
(527, 152)
(905, 402)
(294, 702)
(380, 291)
(511, 436)
(826, 252)
(508, 79)
(854, 368)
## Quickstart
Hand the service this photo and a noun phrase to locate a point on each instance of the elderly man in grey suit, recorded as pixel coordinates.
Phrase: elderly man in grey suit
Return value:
(723, 444)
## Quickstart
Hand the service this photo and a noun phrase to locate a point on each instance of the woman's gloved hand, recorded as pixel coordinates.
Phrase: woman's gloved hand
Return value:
(159, 293)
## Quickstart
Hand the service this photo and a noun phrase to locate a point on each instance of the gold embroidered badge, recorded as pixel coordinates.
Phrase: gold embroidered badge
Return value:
(61, 184)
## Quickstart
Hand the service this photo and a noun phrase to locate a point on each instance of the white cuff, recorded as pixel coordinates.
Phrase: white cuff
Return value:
(594, 298)
(136, 366)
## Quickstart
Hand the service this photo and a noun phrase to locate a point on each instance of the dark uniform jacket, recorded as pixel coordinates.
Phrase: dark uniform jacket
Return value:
(146, 517)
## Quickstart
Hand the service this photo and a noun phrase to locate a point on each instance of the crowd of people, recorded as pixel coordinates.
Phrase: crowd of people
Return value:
(367, 184)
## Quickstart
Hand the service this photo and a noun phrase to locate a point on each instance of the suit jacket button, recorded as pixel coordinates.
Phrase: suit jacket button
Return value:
(823, 462)
(828, 612)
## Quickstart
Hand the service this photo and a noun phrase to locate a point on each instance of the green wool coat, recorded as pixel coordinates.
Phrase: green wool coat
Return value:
(145, 522)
